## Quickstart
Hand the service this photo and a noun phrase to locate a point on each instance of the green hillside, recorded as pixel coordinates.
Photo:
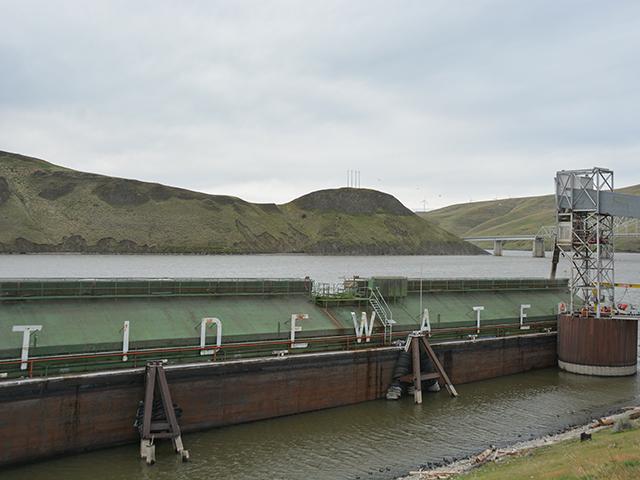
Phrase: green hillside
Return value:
(47, 208)
(510, 216)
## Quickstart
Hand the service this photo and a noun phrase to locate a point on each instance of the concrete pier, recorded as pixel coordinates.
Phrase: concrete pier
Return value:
(538, 247)
(497, 247)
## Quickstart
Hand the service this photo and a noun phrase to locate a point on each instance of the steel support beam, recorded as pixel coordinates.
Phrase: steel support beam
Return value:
(585, 229)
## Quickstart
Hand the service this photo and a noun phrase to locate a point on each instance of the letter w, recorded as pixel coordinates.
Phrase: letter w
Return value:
(365, 326)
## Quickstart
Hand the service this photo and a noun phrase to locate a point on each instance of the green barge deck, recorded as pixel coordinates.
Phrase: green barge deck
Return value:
(82, 321)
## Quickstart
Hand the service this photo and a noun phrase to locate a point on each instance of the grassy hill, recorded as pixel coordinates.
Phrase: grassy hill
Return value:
(47, 208)
(509, 217)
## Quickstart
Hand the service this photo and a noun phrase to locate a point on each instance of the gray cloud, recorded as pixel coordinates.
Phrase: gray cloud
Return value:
(434, 100)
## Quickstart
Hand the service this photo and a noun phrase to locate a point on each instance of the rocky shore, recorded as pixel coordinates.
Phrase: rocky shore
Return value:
(493, 454)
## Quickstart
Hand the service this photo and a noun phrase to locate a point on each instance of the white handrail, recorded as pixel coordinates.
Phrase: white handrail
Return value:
(384, 304)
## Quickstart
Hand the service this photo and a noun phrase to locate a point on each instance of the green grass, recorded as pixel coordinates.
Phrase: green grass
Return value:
(608, 456)
(510, 216)
(51, 208)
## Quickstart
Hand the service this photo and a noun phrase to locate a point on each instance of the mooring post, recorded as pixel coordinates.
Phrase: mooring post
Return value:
(478, 309)
(413, 342)
(417, 377)
(26, 336)
(125, 341)
(159, 419)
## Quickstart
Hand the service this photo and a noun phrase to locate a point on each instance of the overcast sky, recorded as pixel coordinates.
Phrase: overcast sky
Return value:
(441, 101)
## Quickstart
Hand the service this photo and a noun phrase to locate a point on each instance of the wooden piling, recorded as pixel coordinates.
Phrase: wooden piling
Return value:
(417, 378)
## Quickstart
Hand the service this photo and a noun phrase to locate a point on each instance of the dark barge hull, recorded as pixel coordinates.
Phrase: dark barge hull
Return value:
(45, 417)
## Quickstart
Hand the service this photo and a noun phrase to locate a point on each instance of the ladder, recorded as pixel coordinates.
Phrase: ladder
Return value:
(383, 312)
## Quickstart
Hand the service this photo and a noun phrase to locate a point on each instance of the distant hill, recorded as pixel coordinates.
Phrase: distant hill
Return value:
(510, 216)
(47, 208)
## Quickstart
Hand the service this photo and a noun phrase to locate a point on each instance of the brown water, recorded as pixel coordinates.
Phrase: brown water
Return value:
(374, 440)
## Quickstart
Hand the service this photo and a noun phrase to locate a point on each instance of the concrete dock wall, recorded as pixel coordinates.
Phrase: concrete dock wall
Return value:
(40, 418)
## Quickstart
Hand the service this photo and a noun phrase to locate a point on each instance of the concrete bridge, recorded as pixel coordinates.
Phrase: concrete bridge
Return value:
(623, 227)
(537, 249)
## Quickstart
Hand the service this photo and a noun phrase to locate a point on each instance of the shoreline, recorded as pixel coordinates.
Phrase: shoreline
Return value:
(266, 254)
(493, 454)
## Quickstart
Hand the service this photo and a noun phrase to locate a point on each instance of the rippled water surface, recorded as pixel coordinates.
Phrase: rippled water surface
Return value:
(329, 269)
(322, 268)
(377, 440)
(373, 440)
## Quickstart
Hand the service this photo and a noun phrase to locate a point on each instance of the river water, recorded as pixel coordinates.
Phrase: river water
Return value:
(373, 440)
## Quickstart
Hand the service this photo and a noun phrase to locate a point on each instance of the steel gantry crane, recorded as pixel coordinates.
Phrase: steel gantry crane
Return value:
(586, 205)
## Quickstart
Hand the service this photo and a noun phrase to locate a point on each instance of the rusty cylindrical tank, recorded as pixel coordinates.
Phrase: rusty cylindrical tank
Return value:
(597, 346)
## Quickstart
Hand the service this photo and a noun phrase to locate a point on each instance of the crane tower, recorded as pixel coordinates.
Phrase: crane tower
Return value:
(595, 337)
(585, 236)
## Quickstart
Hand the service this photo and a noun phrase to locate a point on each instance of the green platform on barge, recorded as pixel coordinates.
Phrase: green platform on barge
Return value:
(83, 317)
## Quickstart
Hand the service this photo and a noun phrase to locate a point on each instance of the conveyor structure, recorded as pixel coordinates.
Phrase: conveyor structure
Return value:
(586, 208)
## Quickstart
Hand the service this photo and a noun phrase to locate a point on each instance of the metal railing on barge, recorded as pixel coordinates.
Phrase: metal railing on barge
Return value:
(353, 288)
(416, 285)
(53, 288)
(354, 292)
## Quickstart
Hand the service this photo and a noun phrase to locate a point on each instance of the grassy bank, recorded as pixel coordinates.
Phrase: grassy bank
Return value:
(608, 456)
(510, 216)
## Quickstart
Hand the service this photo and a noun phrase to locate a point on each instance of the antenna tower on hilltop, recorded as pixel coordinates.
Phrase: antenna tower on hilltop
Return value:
(353, 178)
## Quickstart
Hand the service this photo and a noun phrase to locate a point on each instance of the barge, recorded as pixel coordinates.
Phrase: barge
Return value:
(73, 352)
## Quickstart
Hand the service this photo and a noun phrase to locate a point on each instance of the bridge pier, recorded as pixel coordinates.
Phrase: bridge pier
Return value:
(538, 247)
(497, 247)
